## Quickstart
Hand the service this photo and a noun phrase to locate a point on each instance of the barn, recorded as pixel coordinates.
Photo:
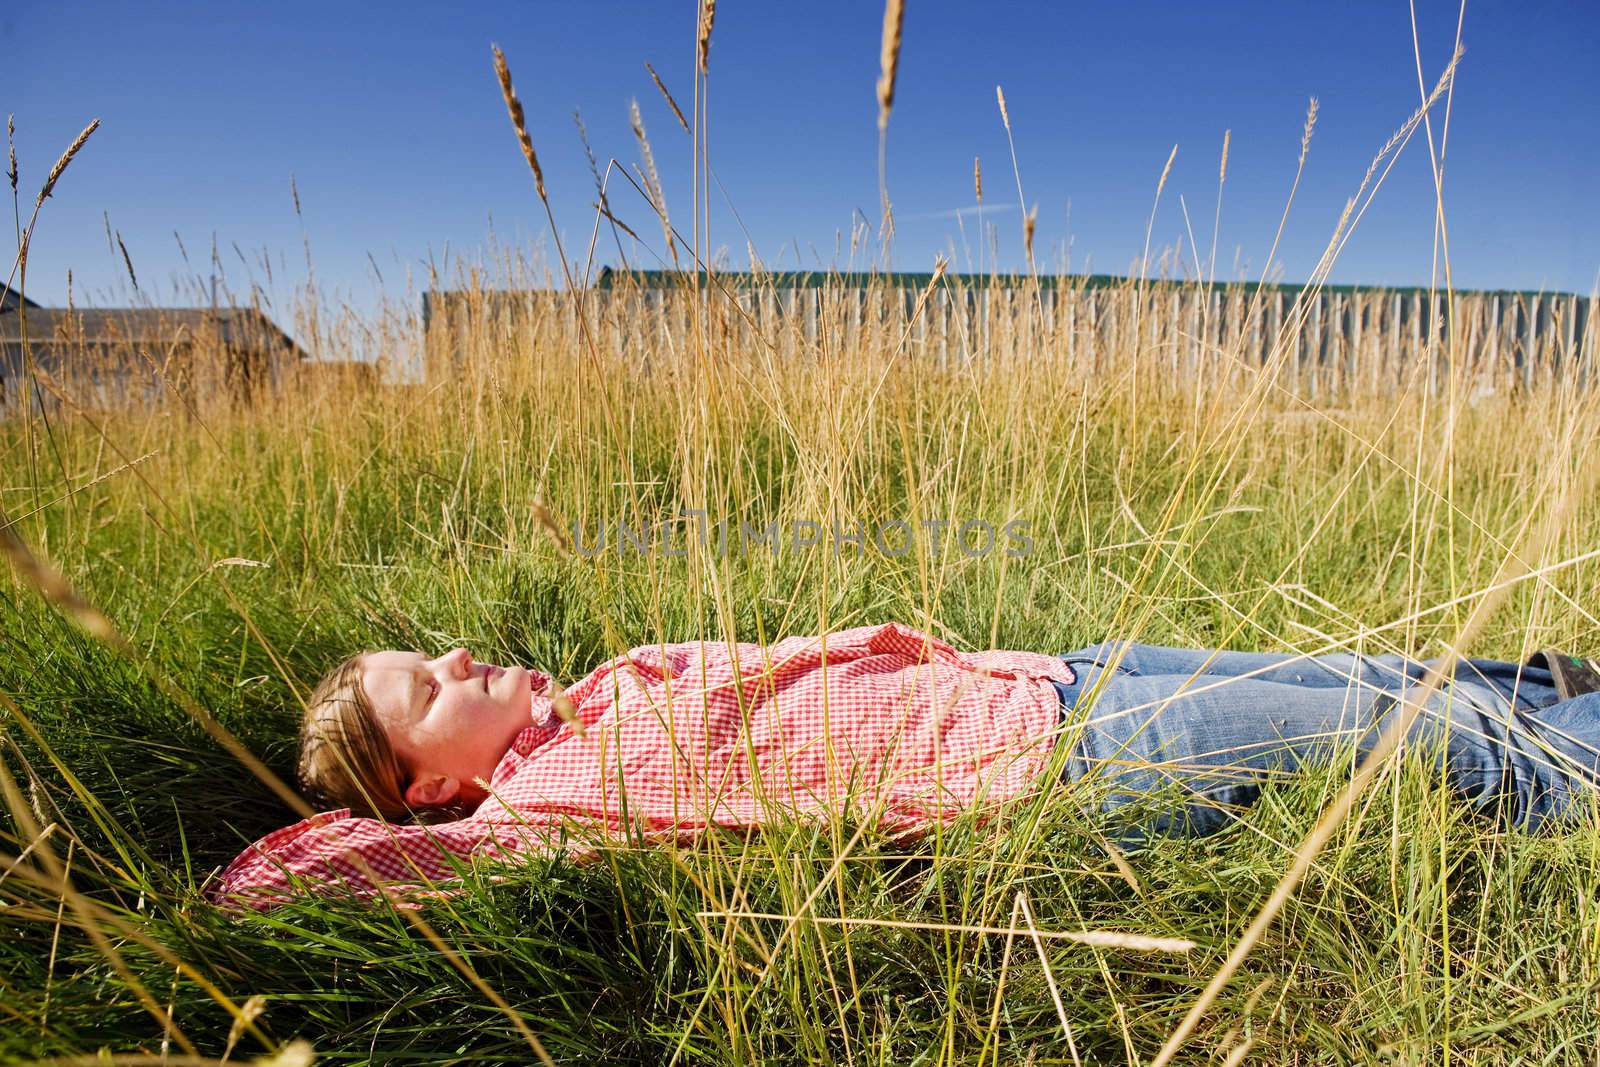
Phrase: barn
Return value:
(107, 356)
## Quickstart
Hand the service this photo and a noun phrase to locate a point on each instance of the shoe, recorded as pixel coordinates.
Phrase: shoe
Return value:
(1573, 676)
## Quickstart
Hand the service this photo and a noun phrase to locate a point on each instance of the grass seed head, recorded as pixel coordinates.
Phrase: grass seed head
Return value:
(708, 14)
(518, 123)
(127, 261)
(894, 13)
(1311, 123)
(1166, 171)
(673, 104)
(652, 184)
(61, 164)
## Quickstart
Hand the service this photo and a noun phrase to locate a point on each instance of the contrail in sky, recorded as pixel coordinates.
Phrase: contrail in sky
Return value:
(958, 212)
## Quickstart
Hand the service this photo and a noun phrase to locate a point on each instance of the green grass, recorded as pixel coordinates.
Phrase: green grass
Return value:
(1231, 518)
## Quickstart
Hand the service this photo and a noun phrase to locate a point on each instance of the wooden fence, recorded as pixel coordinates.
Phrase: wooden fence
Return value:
(1331, 342)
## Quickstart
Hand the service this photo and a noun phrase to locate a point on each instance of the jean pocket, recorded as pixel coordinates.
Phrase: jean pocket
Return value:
(1096, 659)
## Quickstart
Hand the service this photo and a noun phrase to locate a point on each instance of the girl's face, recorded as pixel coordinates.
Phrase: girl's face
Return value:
(449, 719)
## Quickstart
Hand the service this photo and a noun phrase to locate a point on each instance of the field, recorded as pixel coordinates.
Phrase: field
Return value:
(186, 571)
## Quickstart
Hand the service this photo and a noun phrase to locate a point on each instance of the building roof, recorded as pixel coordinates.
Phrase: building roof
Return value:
(238, 327)
(11, 298)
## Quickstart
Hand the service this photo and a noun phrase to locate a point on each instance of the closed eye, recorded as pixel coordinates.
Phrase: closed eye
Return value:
(433, 691)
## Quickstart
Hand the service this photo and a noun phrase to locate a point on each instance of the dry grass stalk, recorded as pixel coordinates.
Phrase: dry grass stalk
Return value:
(588, 154)
(1166, 171)
(894, 14)
(50, 828)
(296, 1053)
(11, 150)
(1417, 117)
(1049, 975)
(708, 15)
(889, 63)
(551, 527)
(127, 261)
(567, 712)
(977, 179)
(1390, 152)
(1305, 135)
(1097, 938)
(1144, 260)
(652, 178)
(53, 586)
(55, 937)
(248, 1011)
(1216, 219)
(673, 104)
(603, 204)
(1005, 969)
(518, 123)
(605, 213)
(1028, 217)
(86, 485)
(1237, 1054)
(61, 164)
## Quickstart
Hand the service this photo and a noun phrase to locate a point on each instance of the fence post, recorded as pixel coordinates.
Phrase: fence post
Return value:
(1494, 336)
(1569, 349)
(1588, 343)
(1533, 338)
(1255, 309)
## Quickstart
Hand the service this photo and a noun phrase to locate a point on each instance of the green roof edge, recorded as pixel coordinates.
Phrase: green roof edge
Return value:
(660, 279)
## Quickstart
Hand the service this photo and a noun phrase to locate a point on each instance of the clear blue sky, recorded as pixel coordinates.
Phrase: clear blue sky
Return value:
(389, 119)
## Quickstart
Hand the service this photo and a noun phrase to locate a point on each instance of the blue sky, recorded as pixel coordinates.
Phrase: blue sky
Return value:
(390, 122)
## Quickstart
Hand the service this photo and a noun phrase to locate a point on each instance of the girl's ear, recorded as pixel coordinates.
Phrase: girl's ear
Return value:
(432, 791)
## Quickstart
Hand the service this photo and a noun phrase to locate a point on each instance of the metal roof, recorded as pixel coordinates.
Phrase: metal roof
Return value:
(11, 298)
(611, 278)
(242, 327)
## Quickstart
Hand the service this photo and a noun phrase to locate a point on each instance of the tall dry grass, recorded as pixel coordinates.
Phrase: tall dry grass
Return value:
(1230, 508)
(1190, 477)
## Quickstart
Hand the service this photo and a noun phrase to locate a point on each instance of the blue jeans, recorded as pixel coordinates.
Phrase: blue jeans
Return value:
(1205, 730)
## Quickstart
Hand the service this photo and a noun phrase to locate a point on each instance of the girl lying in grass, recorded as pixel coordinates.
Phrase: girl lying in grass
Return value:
(430, 761)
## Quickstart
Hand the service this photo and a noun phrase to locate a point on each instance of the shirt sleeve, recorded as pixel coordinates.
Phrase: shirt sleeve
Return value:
(367, 857)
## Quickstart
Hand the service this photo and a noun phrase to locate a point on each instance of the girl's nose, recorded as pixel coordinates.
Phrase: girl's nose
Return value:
(458, 661)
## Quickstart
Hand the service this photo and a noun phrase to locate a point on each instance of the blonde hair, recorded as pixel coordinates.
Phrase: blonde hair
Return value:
(346, 760)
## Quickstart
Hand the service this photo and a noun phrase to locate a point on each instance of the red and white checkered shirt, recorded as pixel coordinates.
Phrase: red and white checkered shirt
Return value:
(883, 721)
